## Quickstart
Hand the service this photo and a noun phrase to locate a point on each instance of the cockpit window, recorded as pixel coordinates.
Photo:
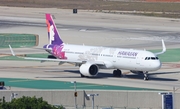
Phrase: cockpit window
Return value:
(151, 58)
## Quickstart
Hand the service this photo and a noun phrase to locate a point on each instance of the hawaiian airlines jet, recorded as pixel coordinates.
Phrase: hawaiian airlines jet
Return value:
(92, 58)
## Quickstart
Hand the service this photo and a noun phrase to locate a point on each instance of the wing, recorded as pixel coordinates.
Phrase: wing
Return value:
(66, 60)
(58, 60)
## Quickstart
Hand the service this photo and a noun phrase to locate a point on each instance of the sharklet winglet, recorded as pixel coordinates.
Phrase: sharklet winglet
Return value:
(163, 48)
(12, 52)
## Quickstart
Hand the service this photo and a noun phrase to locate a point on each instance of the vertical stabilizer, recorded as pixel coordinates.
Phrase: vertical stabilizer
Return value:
(53, 35)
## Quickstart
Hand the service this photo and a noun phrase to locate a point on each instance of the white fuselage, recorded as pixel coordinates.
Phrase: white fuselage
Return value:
(114, 58)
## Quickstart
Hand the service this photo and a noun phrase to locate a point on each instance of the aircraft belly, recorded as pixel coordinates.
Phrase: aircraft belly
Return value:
(125, 64)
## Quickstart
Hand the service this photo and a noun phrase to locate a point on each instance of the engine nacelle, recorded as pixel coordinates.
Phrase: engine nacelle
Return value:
(89, 69)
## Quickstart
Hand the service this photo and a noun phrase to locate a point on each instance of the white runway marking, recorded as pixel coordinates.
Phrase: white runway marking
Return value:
(86, 30)
(64, 29)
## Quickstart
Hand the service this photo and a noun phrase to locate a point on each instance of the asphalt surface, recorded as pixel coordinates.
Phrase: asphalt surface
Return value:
(91, 28)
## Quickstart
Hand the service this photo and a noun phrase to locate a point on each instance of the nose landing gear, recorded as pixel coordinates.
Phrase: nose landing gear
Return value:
(146, 76)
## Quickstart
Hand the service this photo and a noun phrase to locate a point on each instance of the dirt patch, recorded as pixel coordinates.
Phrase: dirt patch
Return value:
(145, 7)
(162, 0)
(95, 5)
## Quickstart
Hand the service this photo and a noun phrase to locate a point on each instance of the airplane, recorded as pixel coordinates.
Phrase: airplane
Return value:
(91, 59)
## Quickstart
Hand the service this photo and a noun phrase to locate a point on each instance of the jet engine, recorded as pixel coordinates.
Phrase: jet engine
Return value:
(89, 69)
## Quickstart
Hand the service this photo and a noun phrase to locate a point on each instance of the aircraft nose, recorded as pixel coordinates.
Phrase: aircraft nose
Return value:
(156, 65)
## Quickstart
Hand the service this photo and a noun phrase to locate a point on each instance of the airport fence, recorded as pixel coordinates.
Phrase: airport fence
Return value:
(105, 100)
(110, 107)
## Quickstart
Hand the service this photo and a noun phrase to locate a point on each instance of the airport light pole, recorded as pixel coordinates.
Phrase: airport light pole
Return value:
(92, 98)
(174, 91)
(75, 94)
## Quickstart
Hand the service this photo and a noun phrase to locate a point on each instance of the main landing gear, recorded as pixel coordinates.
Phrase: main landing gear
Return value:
(146, 76)
(117, 73)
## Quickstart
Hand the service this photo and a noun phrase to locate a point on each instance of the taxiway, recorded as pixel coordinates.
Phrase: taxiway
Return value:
(91, 28)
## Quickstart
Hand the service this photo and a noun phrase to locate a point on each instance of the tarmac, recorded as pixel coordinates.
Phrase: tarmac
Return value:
(90, 28)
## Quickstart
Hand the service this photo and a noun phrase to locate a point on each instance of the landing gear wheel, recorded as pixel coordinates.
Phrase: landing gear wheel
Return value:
(117, 73)
(146, 76)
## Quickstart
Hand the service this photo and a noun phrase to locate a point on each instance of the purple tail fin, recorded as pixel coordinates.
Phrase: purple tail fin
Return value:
(53, 35)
